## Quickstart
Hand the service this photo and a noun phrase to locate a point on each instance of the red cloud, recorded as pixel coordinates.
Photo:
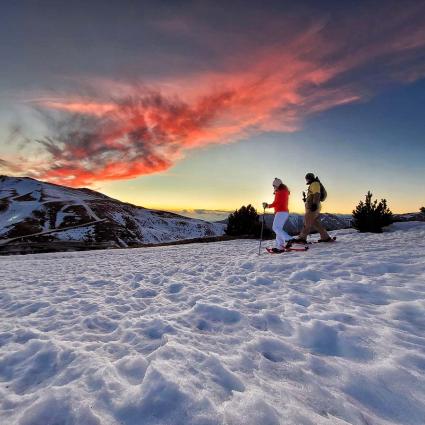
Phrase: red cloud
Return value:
(266, 88)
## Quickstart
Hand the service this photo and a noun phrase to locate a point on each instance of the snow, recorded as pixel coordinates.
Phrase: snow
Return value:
(77, 234)
(25, 185)
(156, 229)
(215, 334)
(18, 211)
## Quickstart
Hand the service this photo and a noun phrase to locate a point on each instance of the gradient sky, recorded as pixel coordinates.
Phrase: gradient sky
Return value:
(197, 106)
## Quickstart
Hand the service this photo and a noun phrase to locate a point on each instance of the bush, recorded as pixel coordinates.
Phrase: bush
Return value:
(370, 216)
(244, 222)
(4, 204)
(422, 210)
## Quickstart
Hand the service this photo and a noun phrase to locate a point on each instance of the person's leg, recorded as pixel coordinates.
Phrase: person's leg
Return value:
(309, 218)
(285, 235)
(324, 235)
(278, 223)
(275, 230)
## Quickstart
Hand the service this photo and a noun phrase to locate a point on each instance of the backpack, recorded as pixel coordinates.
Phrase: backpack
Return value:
(323, 193)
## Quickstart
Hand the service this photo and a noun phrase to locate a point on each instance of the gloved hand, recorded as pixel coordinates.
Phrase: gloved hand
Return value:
(265, 205)
(313, 207)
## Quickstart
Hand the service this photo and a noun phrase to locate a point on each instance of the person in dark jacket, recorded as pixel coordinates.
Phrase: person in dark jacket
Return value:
(312, 212)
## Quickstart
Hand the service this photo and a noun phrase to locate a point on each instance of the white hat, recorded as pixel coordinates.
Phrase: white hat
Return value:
(277, 182)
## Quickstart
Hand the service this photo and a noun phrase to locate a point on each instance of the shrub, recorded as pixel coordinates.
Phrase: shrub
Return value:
(4, 204)
(244, 222)
(422, 210)
(372, 216)
(27, 227)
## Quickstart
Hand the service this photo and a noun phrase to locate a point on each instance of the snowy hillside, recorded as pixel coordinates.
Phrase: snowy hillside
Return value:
(215, 334)
(50, 212)
(418, 216)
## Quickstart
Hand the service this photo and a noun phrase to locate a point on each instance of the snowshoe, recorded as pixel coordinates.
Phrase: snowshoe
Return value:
(275, 250)
(281, 251)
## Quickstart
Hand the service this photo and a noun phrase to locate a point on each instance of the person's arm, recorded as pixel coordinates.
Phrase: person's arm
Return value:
(273, 204)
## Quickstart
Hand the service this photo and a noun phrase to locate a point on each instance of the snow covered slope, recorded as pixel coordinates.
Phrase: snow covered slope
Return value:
(31, 207)
(215, 334)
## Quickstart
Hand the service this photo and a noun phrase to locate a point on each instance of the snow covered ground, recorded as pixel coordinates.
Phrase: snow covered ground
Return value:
(215, 334)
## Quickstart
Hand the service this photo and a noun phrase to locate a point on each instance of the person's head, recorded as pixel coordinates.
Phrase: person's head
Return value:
(278, 185)
(309, 178)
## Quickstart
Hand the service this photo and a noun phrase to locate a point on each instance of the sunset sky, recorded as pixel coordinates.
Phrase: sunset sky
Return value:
(195, 106)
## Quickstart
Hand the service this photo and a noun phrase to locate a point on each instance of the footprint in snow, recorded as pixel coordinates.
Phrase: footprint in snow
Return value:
(100, 324)
(216, 313)
(132, 368)
(300, 300)
(277, 351)
(100, 283)
(175, 288)
(329, 339)
(145, 293)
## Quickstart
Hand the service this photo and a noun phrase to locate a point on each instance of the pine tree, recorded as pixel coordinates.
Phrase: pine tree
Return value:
(244, 222)
(372, 216)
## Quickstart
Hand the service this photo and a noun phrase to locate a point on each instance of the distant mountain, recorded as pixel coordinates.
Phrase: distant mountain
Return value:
(35, 212)
(418, 216)
(295, 222)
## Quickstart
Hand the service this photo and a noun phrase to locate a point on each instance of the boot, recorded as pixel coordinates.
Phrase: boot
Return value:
(277, 250)
(329, 239)
(289, 243)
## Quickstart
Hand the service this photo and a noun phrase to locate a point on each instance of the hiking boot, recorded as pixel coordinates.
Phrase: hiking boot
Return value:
(277, 250)
(299, 240)
(326, 240)
(289, 243)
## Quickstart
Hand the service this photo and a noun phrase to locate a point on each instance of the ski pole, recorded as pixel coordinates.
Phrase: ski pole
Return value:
(261, 235)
